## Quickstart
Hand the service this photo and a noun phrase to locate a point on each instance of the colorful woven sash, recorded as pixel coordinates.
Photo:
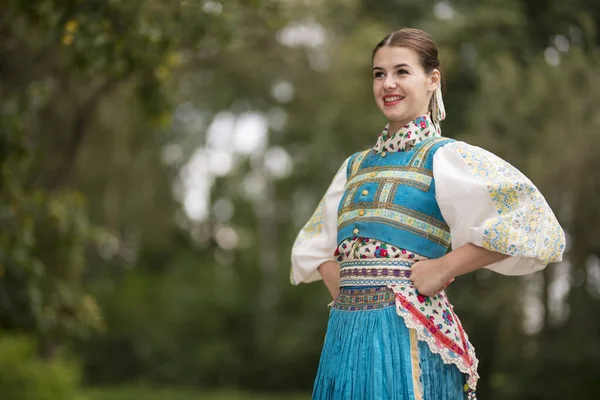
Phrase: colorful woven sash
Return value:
(375, 272)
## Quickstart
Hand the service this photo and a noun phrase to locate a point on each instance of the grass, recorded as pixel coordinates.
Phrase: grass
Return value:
(141, 393)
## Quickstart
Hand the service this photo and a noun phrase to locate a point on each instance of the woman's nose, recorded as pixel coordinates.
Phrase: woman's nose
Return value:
(389, 83)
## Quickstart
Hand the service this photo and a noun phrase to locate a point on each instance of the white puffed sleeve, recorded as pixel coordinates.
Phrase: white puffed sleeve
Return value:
(317, 241)
(489, 203)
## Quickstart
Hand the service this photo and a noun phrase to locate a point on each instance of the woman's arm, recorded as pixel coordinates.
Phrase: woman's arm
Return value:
(430, 276)
(330, 272)
(489, 203)
(469, 258)
(316, 243)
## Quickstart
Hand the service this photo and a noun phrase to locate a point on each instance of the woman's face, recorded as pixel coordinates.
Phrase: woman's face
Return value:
(401, 86)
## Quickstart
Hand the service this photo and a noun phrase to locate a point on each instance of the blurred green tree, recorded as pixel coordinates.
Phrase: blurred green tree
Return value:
(111, 109)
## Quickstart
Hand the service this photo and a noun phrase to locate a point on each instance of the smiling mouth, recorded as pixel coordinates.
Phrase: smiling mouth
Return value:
(392, 100)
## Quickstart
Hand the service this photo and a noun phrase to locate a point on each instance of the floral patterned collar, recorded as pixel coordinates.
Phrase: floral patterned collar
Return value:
(408, 136)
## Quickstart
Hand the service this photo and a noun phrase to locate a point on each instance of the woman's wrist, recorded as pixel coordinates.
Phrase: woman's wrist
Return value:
(468, 258)
(449, 266)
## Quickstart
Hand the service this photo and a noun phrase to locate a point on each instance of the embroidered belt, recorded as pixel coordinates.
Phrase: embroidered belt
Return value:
(375, 272)
(364, 299)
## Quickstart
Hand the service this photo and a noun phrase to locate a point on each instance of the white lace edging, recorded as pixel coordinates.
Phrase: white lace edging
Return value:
(436, 348)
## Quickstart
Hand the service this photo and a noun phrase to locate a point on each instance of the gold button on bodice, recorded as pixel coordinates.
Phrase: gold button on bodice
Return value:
(373, 174)
(361, 212)
(365, 192)
(356, 231)
(383, 154)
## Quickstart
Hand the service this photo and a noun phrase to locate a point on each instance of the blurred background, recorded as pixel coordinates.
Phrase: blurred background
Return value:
(158, 158)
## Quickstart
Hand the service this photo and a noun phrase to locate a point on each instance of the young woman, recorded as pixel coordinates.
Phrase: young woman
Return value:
(381, 235)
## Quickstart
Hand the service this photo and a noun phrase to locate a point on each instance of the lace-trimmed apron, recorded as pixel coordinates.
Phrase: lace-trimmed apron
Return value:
(370, 353)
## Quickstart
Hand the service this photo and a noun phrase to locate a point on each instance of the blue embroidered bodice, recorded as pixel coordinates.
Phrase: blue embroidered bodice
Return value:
(390, 196)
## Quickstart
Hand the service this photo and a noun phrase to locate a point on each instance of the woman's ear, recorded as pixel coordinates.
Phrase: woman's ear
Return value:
(435, 79)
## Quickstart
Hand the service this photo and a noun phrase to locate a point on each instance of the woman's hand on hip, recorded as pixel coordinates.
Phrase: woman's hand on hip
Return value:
(430, 277)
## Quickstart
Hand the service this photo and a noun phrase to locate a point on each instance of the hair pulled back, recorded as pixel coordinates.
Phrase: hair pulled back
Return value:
(421, 43)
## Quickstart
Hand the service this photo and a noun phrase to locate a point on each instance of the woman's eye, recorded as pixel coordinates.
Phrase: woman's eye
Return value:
(402, 72)
(378, 75)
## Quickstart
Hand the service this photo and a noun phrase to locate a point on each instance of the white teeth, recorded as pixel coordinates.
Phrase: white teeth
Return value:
(394, 98)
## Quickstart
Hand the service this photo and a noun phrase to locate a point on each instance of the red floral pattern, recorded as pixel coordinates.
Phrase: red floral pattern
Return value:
(363, 248)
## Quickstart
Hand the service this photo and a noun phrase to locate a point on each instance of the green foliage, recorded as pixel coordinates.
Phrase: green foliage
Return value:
(43, 239)
(24, 377)
(104, 102)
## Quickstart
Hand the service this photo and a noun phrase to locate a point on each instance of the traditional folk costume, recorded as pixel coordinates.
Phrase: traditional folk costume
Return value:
(411, 197)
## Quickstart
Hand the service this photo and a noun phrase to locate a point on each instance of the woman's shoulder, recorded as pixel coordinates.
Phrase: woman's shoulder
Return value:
(480, 163)
(459, 145)
(360, 153)
(470, 152)
(353, 162)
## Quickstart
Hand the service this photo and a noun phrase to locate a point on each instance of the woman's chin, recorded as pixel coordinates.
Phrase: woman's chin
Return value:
(396, 117)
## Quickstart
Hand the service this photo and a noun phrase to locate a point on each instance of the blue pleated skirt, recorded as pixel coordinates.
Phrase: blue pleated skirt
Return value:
(369, 353)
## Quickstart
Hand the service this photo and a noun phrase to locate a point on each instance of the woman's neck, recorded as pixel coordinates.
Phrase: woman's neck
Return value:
(395, 126)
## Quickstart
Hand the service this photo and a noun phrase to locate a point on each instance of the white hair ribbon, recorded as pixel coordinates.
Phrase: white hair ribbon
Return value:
(438, 111)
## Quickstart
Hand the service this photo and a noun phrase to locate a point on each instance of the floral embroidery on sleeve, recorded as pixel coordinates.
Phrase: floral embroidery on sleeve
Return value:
(525, 225)
(315, 224)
